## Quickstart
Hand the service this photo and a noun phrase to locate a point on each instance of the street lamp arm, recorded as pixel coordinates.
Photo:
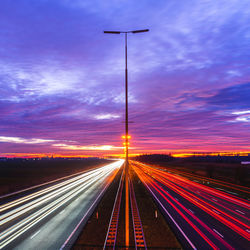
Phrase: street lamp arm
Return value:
(139, 31)
(119, 32)
(112, 32)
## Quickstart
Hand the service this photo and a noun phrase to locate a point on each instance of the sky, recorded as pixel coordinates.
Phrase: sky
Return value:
(62, 78)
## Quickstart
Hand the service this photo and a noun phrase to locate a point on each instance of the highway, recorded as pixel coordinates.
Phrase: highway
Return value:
(51, 217)
(202, 217)
(221, 185)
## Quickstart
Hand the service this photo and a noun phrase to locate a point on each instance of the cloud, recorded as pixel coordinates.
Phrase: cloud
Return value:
(241, 112)
(23, 140)
(242, 116)
(106, 116)
(234, 97)
(78, 147)
(243, 119)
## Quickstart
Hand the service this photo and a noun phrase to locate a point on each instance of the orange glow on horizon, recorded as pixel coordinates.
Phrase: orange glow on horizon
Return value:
(184, 154)
(121, 155)
(211, 154)
(43, 155)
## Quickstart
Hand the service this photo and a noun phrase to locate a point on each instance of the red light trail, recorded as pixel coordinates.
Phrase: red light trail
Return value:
(217, 223)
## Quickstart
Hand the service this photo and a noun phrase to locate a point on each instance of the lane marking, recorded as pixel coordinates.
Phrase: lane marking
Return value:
(62, 211)
(218, 233)
(176, 224)
(231, 192)
(214, 199)
(248, 230)
(226, 191)
(35, 234)
(191, 211)
(239, 211)
(216, 211)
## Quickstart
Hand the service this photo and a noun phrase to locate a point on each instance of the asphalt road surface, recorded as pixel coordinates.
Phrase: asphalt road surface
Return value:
(202, 217)
(51, 217)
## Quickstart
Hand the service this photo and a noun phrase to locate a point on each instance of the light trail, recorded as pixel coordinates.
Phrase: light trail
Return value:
(210, 180)
(215, 212)
(160, 183)
(206, 193)
(191, 185)
(42, 213)
(13, 214)
(227, 219)
(146, 183)
(59, 188)
(160, 191)
(49, 189)
(29, 211)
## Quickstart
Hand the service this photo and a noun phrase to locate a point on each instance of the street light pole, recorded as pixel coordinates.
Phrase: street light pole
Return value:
(126, 97)
(126, 131)
(126, 141)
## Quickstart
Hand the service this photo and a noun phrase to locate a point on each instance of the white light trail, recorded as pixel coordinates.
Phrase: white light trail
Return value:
(48, 200)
